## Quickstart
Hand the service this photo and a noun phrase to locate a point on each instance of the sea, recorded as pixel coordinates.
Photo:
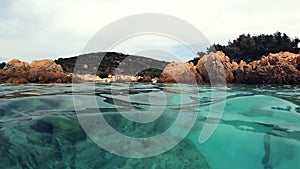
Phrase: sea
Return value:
(149, 126)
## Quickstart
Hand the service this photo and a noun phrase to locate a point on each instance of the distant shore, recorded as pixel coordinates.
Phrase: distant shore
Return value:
(278, 68)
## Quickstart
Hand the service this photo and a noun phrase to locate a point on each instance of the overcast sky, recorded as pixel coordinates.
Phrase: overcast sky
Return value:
(38, 29)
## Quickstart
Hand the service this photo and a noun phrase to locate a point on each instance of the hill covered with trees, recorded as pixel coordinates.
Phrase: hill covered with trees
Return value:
(249, 48)
(111, 63)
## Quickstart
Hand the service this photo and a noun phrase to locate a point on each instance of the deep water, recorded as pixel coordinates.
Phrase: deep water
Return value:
(41, 126)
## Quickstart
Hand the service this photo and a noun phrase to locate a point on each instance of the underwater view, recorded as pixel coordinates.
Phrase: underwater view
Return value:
(149, 84)
(41, 126)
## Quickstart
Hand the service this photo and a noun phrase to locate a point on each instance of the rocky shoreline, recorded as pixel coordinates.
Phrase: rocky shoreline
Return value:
(42, 71)
(279, 68)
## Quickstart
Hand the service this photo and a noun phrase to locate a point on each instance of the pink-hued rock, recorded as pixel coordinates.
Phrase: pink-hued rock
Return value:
(42, 71)
(279, 68)
(217, 66)
(180, 73)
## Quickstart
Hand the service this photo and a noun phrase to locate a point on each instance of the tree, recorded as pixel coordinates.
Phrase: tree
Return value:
(249, 48)
(2, 65)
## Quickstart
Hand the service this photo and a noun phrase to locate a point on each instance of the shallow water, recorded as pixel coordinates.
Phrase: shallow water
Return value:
(41, 126)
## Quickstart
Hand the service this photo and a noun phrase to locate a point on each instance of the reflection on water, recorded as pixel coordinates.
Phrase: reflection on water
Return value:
(259, 127)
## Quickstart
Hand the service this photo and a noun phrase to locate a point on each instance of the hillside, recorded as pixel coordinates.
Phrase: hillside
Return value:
(104, 64)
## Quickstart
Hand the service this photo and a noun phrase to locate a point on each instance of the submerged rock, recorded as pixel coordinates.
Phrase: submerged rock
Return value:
(182, 156)
(42, 126)
(31, 145)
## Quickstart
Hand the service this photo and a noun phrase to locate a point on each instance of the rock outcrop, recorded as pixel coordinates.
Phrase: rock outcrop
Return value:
(215, 68)
(279, 68)
(180, 73)
(42, 71)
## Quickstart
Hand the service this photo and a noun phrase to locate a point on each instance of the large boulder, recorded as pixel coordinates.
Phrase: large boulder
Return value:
(217, 66)
(14, 71)
(46, 65)
(211, 68)
(178, 72)
(46, 71)
(43, 71)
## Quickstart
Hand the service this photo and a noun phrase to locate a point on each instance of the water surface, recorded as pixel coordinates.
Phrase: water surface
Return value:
(259, 128)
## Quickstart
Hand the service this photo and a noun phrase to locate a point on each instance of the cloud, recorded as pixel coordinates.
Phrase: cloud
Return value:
(30, 32)
(4, 59)
(160, 46)
(31, 29)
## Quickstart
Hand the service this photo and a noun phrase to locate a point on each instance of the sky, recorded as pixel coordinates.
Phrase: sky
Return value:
(48, 29)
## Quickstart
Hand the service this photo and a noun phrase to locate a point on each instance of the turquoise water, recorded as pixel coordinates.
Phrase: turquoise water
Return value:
(260, 126)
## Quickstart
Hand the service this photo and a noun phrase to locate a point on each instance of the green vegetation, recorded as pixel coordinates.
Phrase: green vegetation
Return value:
(103, 75)
(2, 65)
(151, 72)
(249, 48)
(111, 63)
